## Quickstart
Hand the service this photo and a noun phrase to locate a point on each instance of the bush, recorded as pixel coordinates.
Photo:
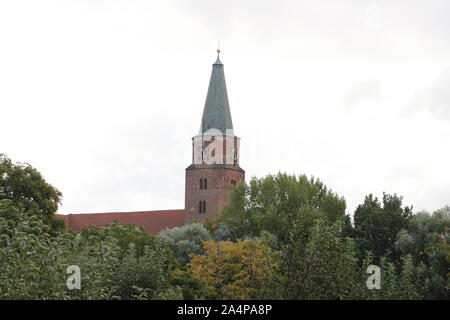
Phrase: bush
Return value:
(185, 240)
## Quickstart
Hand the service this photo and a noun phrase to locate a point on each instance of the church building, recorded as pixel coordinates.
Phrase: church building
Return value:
(209, 178)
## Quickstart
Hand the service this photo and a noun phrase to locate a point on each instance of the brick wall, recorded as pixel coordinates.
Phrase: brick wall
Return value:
(217, 193)
(152, 221)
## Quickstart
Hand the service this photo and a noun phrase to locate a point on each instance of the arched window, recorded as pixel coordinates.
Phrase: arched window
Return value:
(202, 206)
(203, 183)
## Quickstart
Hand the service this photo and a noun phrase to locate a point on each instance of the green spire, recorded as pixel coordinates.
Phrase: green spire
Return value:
(216, 113)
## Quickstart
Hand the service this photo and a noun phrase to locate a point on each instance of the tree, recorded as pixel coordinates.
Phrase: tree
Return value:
(316, 262)
(424, 232)
(33, 263)
(27, 189)
(185, 240)
(125, 235)
(443, 246)
(147, 276)
(232, 270)
(402, 282)
(377, 225)
(211, 224)
(267, 204)
(145, 265)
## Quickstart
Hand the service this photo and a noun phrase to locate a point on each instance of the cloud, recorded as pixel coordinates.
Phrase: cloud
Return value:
(364, 91)
(438, 95)
(338, 30)
(435, 99)
(103, 97)
(374, 16)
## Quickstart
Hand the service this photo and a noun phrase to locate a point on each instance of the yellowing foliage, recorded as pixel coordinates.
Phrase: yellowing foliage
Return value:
(232, 270)
(211, 224)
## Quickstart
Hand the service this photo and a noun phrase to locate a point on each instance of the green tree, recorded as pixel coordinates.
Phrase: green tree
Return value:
(145, 267)
(316, 262)
(185, 240)
(266, 205)
(33, 263)
(377, 225)
(426, 231)
(147, 276)
(443, 246)
(402, 282)
(27, 189)
(125, 235)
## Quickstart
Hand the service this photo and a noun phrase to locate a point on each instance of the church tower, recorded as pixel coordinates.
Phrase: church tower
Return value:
(215, 154)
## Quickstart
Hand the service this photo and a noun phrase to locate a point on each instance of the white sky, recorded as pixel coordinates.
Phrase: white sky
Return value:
(103, 97)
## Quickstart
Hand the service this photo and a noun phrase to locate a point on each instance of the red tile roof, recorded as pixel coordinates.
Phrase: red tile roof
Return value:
(152, 221)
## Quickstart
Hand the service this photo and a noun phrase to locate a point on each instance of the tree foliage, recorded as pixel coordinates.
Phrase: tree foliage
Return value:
(377, 225)
(267, 204)
(27, 189)
(232, 270)
(34, 264)
(125, 235)
(185, 240)
(280, 237)
(402, 282)
(316, 261)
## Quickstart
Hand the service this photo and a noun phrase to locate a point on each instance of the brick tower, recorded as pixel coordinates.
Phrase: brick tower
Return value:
(215, 154)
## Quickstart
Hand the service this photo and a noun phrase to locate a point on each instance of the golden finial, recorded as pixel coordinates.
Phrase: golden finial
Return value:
(218, 48)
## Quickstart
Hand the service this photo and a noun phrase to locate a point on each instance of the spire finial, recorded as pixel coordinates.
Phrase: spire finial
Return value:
(218, 62)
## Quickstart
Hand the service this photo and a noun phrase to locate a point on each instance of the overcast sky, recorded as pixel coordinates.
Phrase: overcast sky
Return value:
(103, 97)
